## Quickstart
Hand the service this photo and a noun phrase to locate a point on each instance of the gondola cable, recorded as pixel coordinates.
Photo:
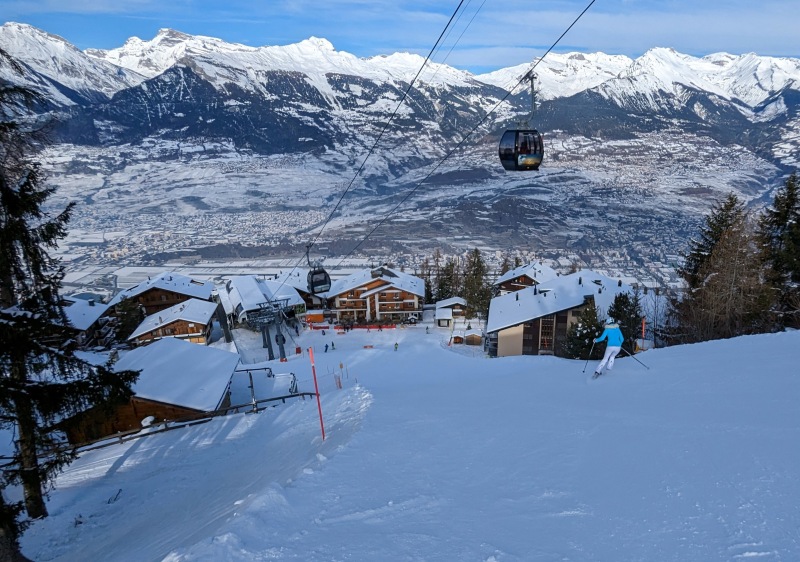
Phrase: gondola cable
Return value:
(471, 131)
(317, 271)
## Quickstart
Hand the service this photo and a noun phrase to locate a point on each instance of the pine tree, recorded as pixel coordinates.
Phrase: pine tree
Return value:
(42, 381)
(721, 218)
(730, 297)
(505, 266)
(627, 311)
(581, 336)
(779, 238)
(425, 274)
(448, 282)
(477, 290)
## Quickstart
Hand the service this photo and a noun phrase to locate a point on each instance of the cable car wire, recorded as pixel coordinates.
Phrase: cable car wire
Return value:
(311, 244)
(471, 131)
(386, 125)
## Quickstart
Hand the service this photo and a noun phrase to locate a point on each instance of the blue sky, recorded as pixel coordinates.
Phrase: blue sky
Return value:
(490, 34)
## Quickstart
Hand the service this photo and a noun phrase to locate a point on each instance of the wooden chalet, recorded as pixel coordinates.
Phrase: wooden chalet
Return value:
(524, 276)
(191, 320)
(534, 321)
(164, 291)
(89, 321)
(177, 381)
(448, 310)
(473, 337)
(377, 295)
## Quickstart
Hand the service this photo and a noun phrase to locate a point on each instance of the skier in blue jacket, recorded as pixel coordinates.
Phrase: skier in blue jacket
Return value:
(615, 338)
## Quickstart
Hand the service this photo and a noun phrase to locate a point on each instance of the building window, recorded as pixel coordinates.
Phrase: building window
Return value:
(546, 333)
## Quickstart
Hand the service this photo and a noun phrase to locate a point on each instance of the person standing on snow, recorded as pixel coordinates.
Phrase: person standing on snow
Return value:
(615, 338)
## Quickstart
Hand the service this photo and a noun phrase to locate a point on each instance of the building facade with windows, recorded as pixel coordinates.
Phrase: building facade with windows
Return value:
(535, 320)
(164, 291)
(379, 295)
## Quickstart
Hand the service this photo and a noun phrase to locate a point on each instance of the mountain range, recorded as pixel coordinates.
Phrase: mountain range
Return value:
(637, 150)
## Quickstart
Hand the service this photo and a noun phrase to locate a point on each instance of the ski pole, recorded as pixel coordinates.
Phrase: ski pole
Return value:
(590, 356)
(631, 356)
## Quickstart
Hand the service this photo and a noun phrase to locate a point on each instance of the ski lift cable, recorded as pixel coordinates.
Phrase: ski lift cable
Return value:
(458, 40)
(377, 140)
(467, 136)
(386, 125)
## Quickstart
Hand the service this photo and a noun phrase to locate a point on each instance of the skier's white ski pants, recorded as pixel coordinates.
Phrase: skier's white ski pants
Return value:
(611, 354)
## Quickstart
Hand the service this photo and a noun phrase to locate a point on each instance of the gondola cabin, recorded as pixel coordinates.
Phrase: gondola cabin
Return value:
(318, 281)
(521, 149)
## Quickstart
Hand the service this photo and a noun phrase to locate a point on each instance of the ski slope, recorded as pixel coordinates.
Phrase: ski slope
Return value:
(435, 453)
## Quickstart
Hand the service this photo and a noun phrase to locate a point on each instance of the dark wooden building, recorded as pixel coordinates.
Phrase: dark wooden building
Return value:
(164, 291)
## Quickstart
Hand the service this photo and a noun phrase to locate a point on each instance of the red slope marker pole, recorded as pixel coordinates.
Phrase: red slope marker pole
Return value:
(316, 390)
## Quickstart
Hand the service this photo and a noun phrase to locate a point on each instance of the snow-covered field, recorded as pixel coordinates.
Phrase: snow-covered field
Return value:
(435, 453)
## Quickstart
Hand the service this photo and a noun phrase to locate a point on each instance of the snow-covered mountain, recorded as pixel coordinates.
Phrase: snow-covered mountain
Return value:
(665, 130)
(314, 57)
(748, 79)
(59, 70)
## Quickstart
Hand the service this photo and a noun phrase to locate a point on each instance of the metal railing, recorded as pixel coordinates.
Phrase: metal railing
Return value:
(168, 425)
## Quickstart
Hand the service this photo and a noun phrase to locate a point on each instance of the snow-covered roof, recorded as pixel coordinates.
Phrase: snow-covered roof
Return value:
(82, 313)
(561, 293)
(181, 373)
(251, 292)
(447, 303)
(169, 281)
(392, 278)
(297, 278)
(444, 313)
(224, 299)
(537, 271)
(193, 310)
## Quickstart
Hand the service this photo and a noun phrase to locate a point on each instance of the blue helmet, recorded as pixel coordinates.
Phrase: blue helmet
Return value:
(609, 320)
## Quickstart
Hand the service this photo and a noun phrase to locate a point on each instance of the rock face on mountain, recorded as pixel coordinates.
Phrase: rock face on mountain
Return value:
(631, 145)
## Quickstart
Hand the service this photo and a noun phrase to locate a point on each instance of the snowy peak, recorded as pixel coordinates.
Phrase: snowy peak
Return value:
(748, 78)
(54, 58)
(223, 64)
(151, 58)
(561, 75)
